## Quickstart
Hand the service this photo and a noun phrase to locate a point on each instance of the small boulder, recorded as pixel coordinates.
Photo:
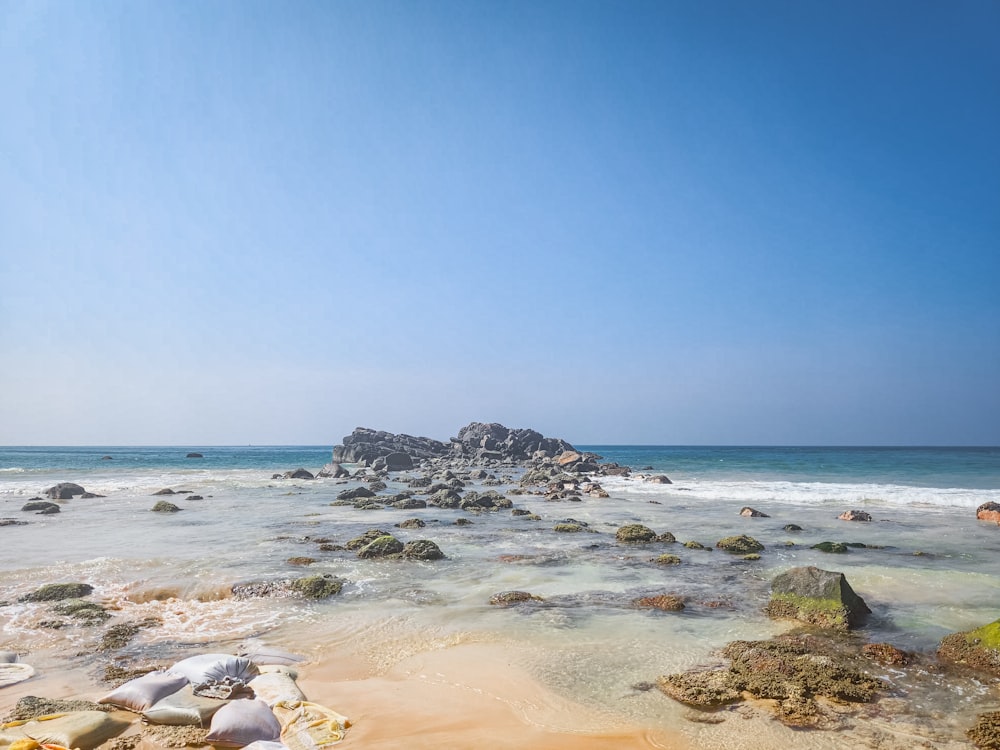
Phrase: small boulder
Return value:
(635, 533)
(333, 470)
(855, 515)
(989, 511)
(818, 597)
(664, 602)
(837, 548)
(163, 506)
(422, 549)
(164, 491)
(659, 479)
(298, 474)
(53, 592)
(40, 506)
(64, 491)
(885, 654)
(739, 545)
(792, 527)
(749, 512)
(567, 458)
(356, 494)
(194, 455)
(398, 462)
(317, 587)
(382, 546)
(979, 648)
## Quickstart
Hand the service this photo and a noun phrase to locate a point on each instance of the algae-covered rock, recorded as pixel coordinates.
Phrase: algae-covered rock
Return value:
(664, 602)
(365, 539)
(317, 587)
(667, 560)
(696, 545)
(818, 597)
(508, 598)
(979, 648)
(118, 635)
(56, 591)
(885, 654)
(422, 549)
(567, 528)
(986, 732)
(301, 560)
(700, 689)
(88, 612)
(789, 670)
(164, 506)
(635, 533)
(739, 545)
(383, 546)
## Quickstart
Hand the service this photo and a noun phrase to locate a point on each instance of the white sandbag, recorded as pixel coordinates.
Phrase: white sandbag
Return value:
(265, 745)
(215, 668)
(241, 722)
(275, 684)
(142, 692)
(77, 729)
(310, 726)
(183, 708)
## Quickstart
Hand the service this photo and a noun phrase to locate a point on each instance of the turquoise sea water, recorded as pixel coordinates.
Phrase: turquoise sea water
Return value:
(586, 641)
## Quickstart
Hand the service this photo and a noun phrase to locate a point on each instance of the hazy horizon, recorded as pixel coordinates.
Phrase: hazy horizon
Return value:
(646, 223)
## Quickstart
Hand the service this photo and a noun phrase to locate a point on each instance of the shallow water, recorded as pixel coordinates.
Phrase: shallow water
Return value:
(584, 641)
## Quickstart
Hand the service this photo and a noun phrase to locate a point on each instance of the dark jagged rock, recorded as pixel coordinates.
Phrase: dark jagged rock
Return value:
(477, 442)
(298, 474)
(194, 455)
(855, 515)
(64, 491)
(422, 549)
(333, 470)
(749, 512)
(164, 491)
(43, 507)
(356, 494)
(818, 597)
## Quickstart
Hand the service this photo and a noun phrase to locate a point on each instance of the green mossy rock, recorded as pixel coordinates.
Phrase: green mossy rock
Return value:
(383, 546)
(317, 587)
(365, 539)
(635, 533)
(567, 528)
(53, 592)
(818, 597)
(739, 545)
(979, 648)
(422, 549)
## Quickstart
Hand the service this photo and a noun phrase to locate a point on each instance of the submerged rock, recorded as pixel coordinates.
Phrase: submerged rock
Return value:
(792, 671)
(317, 587)
(838, 548)
(422, 549)
(665, 602)
(739, 545)
(88, 612)
(749, 512)
(56, 591)
(298, 474)
(507, 598)
(885, 654)
(818, 597)
(979, 648)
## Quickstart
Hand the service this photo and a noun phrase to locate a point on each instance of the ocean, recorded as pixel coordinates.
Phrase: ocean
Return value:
(929, 568)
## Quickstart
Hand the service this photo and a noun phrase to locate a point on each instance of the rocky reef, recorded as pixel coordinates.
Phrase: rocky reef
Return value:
(477, 442)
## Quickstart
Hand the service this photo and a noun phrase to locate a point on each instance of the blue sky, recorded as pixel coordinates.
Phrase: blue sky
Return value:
(666, 222)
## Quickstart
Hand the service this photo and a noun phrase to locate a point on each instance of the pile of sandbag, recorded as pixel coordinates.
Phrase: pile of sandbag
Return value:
(242, 700)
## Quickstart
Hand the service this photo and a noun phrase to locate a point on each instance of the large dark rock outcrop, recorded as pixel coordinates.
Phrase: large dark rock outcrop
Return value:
(476, 442)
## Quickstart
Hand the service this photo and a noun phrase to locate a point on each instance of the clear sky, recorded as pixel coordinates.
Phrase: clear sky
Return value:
(615, 222)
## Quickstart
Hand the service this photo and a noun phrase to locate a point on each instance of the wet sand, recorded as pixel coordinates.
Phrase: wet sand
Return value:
(462, 697)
